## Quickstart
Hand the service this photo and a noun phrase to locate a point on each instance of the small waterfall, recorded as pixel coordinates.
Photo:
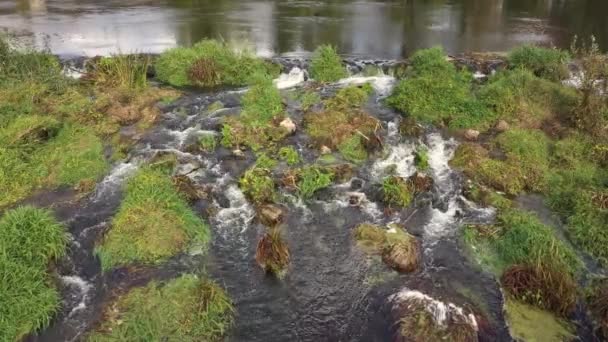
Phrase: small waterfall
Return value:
(290, 80)
(383, 85)
(81, 290)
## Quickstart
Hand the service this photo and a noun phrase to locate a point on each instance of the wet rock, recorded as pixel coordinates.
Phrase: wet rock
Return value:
(325, 150)
(270, 214)
(289, 125)
(421, 181)
(471, 134)
(502, 126)
(355, 198)
(188, 188)
(356, 184)
(238, 153)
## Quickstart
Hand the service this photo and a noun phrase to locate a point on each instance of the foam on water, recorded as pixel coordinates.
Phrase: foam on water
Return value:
(401, 156)
(383, 84)
(238, 216)
(441, 311)
(112, 182)
(82, 287)
(290, 80)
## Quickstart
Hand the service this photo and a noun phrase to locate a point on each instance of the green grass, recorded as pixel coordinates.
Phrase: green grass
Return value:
(326, 65)
(182, 309)
(524, 322)
(313, 178)
(290, 155)
(353, 150)
(153, 223)
(126, 71)
(258, 185)
(397, 191)
(349, 97)
(262, 102)
(31, 240)
(209, 63)
(421, 159)
(436, 92)
(546, 63)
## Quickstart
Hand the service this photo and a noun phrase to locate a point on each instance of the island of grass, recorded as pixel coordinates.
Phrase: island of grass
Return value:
(31, 241)
(154, 222)
(187, 308)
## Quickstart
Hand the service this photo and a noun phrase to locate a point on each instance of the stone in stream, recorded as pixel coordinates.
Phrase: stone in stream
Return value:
(238, 153)
(325, 150)
(502, 126)
(471, 134)
(289, 125)
(270, 214)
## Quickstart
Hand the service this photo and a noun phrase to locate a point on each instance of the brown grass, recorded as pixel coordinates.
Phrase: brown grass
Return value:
(272, 253)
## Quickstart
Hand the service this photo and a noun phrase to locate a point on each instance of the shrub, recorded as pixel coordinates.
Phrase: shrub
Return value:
(546, 63)
(183, 309)
(272, 253)
(262, 102)
(258, 185)
(289, 155)
(326, 65)
(313, 178)
(128, 71)
(438, 93)
(525, 100)
(153, 223)
(397, 191)
(208, 63)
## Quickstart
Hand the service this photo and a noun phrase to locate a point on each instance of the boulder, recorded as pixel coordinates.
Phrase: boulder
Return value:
(471, 134)
(270, 214)
(502, 126)
(289, 125)
(325, 150)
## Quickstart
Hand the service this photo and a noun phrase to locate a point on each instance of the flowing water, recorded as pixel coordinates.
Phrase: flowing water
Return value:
(332, 291)
(363, 28)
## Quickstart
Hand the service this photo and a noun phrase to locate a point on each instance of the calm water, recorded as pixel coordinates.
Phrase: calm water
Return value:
(383, 29)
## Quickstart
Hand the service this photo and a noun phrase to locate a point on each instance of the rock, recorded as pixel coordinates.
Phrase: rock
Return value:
(325, 150)
(270, 214)
(186, 186)
(355, 198)
(289, 125)
(502, 126)
(403, 254)
(238, 153)
(471, 134)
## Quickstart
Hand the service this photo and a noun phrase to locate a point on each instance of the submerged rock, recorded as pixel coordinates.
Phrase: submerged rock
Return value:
(422, 318)
(270, 214)
(289, 125)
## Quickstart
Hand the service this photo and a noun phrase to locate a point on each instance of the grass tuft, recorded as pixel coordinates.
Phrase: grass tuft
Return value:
(548, 63)
(313, 178)
(272, 253)
(397, 191)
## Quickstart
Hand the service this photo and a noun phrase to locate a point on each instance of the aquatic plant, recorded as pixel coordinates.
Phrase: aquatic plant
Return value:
(209, 63)
(313, 178)
(525, 319)
(289, 155)
(436, 92)
(31, 239)
(186, 309)
(128, 71)
(397, 191)
(258, 185)
(272, 253)
(153, 223)
(548, 63)
(326, 65)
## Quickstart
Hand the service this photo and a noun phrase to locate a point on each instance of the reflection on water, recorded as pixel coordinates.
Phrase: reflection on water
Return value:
(385, 29)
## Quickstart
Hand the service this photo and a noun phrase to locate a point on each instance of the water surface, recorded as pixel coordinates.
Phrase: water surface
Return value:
(364, 28)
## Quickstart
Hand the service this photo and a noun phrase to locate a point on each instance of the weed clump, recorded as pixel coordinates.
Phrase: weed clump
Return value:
(120, 71)
(206, 64)
(308, 99)
(31, 240)
(436, 92)
(289, 155)
(257, 184)
(185, 309)
(272, 253)
(153, 223)
(207, 142)
(399, 250)
(313, 178)
(421, 159)
(326, 65)
(547, 63)
(262, 102)
(351, 97)
(397, 191)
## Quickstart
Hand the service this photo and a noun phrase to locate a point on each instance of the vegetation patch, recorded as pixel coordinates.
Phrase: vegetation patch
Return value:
(290, 155)
(399, 250)
(120, 71)
(31, 240)
(397, 191)
(262, 103)
(350, 97)
(153, 223)
(524, 322)
(209, 63)
(184, 309)
(311, 179)
(548, 63)
(272, 253)
(257, 184)
(326, 65)
(421, 159)
(308, 99)
(438, 93)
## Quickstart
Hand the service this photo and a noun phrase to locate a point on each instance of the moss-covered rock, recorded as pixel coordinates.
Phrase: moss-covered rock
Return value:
(399, 250)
